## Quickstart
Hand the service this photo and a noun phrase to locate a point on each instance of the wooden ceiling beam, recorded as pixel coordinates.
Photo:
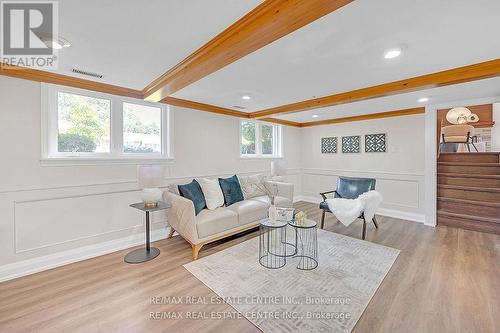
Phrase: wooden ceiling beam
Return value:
(398, 113)
(203, 107)
(268, 22)
(484, 70)
(65, 80)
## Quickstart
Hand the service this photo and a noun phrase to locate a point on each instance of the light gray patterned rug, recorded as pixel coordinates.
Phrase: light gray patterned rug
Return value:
(330, 298)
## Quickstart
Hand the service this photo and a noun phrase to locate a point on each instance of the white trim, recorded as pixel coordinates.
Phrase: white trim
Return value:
(34, 265)
(398, 214)
(51, 157)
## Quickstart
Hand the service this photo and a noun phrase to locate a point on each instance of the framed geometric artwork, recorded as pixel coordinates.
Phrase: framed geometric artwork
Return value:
(329, 145)
(375, 143)
(351, 144)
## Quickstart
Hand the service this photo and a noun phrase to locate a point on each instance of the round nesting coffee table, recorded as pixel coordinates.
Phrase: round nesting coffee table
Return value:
(307, 243)
(273, 247)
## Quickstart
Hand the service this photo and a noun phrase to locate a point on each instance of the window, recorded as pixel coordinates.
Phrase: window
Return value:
(141, 128)
(83, 125)
(260, 139)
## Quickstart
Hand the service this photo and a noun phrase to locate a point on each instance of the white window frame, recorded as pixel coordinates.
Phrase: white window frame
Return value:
(277, 140)
(49, 131)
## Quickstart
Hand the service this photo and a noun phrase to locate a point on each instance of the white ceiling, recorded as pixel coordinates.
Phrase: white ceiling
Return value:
(344, 51)
(450, 94)
(133, 42)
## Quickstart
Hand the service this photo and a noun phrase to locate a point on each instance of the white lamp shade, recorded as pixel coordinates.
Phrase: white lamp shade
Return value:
(150, 176)
(458, 115)
(277, 168)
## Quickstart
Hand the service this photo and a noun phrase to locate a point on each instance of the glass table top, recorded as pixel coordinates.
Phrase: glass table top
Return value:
(304, 224)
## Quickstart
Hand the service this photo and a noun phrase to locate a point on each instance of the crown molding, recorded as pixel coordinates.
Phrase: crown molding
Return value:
(484, 70)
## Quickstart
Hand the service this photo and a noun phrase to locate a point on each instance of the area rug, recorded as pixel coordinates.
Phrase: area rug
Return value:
(330, 298)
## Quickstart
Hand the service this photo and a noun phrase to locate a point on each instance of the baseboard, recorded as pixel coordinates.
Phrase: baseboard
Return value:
(398, 214)
(34, 265)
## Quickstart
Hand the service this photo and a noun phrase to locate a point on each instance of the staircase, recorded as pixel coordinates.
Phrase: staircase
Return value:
(469, 191)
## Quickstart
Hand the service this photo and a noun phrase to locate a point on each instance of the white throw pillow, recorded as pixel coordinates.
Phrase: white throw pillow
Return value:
(212, 192)
(251, 186)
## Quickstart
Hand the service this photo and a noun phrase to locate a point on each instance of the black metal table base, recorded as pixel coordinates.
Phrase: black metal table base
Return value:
(275, 247)
(141, 255)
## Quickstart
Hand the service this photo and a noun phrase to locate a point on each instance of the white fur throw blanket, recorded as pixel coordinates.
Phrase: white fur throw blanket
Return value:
(348, 210)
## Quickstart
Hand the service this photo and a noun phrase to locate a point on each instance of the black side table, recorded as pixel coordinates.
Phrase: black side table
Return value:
(147, 253)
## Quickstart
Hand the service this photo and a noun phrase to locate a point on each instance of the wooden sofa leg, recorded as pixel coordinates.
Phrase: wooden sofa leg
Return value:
(323, 219)
(196, 250)
(375, 222)
(171, 232)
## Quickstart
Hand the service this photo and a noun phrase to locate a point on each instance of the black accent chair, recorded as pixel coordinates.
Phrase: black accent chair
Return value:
(349, 188)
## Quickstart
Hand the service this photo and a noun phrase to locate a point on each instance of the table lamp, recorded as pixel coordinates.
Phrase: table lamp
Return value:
(150, 177)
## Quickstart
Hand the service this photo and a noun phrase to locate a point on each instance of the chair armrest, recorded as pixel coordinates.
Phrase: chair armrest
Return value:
(283, 189)
(181, 216)
(323, 194)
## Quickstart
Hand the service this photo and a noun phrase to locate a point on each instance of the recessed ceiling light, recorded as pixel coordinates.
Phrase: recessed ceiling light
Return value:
(246, 97)
(392, 53)
(315, 115)
(56, 43)
(423, 99)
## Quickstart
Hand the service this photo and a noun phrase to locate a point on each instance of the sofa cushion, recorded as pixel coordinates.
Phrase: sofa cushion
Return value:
(211, 222)
(249, 211)
(278, 201)
(231, 189)
(212, 192)
(252, 186)
(193, 192)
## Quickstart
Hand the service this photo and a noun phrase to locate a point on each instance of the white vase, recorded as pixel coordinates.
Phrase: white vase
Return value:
(273, 213)
(151, 196)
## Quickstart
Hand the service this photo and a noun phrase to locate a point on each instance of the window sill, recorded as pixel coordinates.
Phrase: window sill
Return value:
(260, 157)
(75, 161)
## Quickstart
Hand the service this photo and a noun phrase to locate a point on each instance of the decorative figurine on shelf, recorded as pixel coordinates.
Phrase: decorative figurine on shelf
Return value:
(300, 218)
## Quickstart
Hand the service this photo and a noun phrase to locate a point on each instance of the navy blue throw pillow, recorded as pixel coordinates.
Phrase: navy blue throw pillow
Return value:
(193, 192)
(231, 189)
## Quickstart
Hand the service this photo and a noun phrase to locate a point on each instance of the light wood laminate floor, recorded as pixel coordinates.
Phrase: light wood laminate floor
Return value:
(444, 280)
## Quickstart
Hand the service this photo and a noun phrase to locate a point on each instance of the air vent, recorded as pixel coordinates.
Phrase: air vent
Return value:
(239, 107)
(79, 71)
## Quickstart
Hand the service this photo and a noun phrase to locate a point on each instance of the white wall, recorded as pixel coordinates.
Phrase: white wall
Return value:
(495, 131)
(57, 214)
(399, 172)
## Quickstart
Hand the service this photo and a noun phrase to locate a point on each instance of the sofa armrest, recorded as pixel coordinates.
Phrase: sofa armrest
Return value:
(181, 216)
(284, 189)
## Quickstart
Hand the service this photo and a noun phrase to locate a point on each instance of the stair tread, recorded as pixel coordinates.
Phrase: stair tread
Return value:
(478, 164)
(469, 188)
(469, 217)
(467, 175)
(470, 202)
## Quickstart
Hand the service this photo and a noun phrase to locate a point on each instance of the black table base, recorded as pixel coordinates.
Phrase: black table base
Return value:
(147, 253)
(141, 255)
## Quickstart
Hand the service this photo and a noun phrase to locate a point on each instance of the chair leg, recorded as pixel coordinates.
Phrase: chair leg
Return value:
(323, 219)
(375, 222)
(171, 232)
(468, 147)
(473, 145)
(364, 229)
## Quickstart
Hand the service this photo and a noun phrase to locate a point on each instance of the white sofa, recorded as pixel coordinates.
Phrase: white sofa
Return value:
(211, 225)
